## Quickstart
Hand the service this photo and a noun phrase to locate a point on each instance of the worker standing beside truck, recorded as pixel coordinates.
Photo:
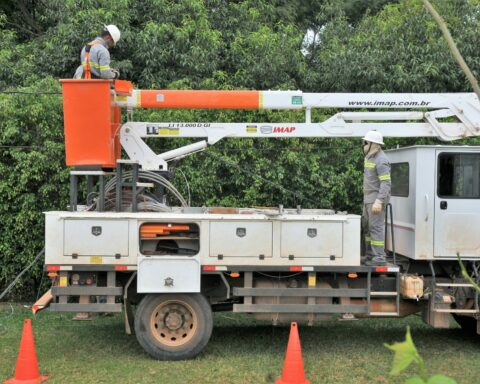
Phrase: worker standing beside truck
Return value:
(95, 57)
(376, 194)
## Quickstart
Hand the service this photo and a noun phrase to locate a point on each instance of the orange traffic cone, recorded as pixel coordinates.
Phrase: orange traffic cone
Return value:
(26, 371)
(293, 367)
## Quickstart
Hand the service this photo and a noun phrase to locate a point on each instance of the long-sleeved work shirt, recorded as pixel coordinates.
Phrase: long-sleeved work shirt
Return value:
(376, 178)
(99, 61)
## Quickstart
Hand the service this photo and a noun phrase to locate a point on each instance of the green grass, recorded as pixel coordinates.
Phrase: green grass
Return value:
(241, 350)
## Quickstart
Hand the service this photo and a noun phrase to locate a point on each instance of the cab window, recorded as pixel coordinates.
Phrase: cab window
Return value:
(459, 175)
(400, 179)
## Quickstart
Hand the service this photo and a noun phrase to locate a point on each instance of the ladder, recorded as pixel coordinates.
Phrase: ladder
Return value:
(442, 285)
(384, 294)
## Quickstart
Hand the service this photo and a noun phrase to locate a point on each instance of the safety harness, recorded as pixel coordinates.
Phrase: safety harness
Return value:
(86, 67)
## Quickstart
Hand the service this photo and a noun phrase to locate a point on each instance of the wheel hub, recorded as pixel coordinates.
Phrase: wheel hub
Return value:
(173, 323)
(174, 320)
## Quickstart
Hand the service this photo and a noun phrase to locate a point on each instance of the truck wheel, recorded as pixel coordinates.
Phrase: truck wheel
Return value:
(173, 326)
(467, 323)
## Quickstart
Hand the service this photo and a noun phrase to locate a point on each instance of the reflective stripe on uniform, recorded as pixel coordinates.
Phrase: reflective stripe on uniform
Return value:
(377, 243)
(368, 239)
(385, 177)
(97, 66)
(369, 164)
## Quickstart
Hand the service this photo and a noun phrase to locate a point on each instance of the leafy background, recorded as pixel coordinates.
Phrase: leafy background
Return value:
(355, 46)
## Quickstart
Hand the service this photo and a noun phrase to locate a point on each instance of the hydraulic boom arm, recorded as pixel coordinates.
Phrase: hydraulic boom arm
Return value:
(448, 116)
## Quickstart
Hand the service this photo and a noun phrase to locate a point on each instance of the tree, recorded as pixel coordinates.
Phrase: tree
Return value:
(399, 50)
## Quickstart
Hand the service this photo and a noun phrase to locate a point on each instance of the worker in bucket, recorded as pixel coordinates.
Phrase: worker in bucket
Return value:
(95, 56)
(376, 194)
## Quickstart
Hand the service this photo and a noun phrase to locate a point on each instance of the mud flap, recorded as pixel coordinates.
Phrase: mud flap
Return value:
(43, 302)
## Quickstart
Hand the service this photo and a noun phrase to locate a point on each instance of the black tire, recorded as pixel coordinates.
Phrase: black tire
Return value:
(467, 323)
(173, 326)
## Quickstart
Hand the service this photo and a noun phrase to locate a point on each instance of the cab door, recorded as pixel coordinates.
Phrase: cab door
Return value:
(457, 203)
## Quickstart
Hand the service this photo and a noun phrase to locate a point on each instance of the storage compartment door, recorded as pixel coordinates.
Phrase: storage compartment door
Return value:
(312, 239)
(95, 237)
(159, 274)
(240, 239)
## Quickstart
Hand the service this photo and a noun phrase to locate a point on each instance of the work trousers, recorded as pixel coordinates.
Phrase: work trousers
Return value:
(374, 230)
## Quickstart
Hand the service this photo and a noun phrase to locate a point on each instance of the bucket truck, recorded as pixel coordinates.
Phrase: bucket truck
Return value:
(126, 245)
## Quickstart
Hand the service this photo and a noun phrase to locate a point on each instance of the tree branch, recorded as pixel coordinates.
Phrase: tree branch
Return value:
(453, 47)
(21, 27)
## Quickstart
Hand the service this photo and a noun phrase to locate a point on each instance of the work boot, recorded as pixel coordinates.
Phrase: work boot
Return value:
(376, 262)
(366, 258)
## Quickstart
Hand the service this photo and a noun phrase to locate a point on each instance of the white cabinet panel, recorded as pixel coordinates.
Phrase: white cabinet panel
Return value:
(312, 239)
(240, 239)
(159, 274)
(95, 237)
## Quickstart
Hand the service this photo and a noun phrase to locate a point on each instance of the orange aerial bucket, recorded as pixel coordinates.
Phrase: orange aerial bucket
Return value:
(91, 123)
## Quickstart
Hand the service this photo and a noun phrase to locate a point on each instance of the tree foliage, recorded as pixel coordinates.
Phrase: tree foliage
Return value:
(381, 46)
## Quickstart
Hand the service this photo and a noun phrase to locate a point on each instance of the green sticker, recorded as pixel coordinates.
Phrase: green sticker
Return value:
(297, 100)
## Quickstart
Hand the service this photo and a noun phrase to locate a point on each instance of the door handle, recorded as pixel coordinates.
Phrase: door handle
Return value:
(443, 205)
(427, 201)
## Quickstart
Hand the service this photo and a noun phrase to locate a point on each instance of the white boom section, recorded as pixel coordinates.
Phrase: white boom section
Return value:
(445, 116)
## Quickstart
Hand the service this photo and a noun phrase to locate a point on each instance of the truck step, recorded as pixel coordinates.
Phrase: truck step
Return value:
(383, 294)
(306, 292)
(77, 290)
(384, 314)
(300, 308)
(73, 307)
(452, 310)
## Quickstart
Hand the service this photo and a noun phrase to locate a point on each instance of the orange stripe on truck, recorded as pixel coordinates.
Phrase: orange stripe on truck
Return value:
(200, 99)
(151, 231)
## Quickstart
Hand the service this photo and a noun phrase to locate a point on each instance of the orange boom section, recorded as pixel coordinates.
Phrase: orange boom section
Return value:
(200, 99)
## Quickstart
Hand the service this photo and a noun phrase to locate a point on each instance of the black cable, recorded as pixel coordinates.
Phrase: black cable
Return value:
(278, 150)
(12, 284)
(40, 287)
(28, 93)
(20, 146)
(296, 148)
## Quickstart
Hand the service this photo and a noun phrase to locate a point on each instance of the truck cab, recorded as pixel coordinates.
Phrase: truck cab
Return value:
(436, 202)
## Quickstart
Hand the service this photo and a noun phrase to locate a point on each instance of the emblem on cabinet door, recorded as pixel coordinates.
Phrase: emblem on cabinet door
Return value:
(312, 232)
(241, 232)
(96, 231)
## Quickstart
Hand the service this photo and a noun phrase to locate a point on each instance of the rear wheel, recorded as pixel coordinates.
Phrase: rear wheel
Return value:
(173, 326)
(467, 323)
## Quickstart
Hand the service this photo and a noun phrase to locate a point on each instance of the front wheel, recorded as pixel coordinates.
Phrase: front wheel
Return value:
(173, 326)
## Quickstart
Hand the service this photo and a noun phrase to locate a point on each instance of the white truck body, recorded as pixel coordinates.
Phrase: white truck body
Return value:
(285, 239)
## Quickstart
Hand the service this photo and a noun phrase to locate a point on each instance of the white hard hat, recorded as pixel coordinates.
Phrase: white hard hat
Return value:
(114, 32)
(374, 137)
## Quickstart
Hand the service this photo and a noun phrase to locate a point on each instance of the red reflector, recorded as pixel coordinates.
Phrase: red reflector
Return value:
(121, 268)
(53, 268)
(209, 267)
(296, 268)
(381, 269)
